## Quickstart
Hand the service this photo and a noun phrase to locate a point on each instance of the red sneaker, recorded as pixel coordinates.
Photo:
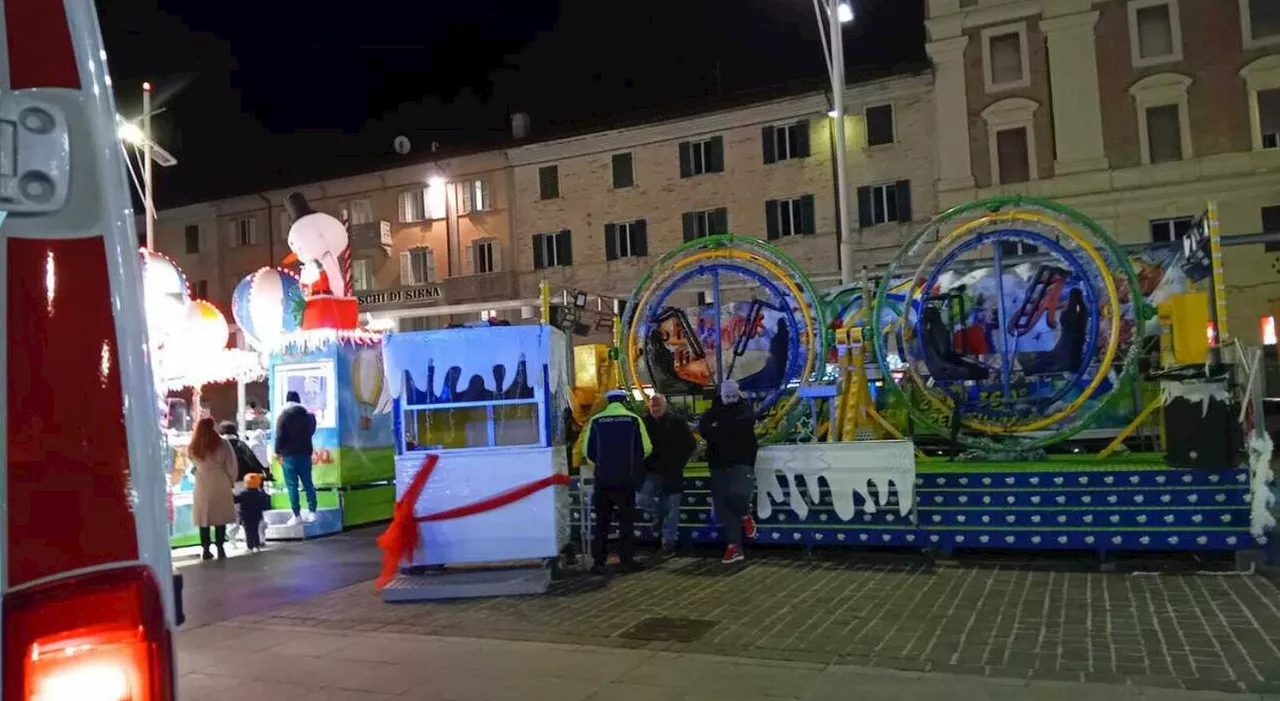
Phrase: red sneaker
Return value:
(749, 526)
(732, 554)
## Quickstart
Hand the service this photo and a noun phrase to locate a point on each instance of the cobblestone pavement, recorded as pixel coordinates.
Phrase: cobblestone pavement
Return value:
(1177, 631)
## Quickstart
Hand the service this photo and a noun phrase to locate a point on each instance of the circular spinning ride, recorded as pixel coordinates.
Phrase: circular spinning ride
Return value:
(725, 307)
(1017, 325)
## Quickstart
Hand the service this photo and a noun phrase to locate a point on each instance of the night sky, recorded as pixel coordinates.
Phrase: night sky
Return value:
(272, 93)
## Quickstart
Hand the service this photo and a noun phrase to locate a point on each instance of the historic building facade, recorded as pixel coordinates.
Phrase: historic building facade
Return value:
(1138, 112)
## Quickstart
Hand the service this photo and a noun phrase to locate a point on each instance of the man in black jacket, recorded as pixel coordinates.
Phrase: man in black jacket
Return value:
(664, 482)
(294, 428)
(616, 444)
(729, 428)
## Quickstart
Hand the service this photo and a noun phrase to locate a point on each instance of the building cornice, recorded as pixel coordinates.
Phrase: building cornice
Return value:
(810, 105)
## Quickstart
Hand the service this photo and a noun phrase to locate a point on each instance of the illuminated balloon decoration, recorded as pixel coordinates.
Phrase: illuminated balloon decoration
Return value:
(164, 289)
(368, 384)
(267, 305)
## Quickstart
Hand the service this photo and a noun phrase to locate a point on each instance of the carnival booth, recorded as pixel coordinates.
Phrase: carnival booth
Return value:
(308, 327)
(188, 351)
(1013, 379)
(481, 469)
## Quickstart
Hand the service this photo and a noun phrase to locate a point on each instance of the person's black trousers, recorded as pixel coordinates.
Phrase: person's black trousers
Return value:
(219, 534)
(605, 501)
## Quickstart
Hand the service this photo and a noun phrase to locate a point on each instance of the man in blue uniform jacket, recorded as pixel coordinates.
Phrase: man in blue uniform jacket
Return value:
(617, 445)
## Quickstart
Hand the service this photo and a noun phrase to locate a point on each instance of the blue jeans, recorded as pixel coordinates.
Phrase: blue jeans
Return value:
(732, 488)
(297, 468)
(665, 507)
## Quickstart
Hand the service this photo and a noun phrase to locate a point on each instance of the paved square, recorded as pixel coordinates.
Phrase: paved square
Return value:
(1199, 632)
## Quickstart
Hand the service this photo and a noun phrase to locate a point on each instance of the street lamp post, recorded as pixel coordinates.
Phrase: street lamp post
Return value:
(838, 13)
(140, 137)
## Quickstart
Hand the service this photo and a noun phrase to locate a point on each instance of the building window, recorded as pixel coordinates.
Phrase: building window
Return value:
(879, 125)
(1268, 329)
(417, 266)
(789, 217)
(626, 240)
(1262, 78)
(548, 182)
(244, 232)
(1260, 22)
(552, 250)
(1170, 230)
(1271, 225)
(700, 157)
(361, 274)
(1004, 56)
(881, 204)
(1015, 249)
(1164, 135)
(1163, 127)
(483, 256)
(192, 236)
(785, 142)
(413, 206)
(473, 196)
(624, 174)
(1155, 32)
(1013, 157)
(705, 223)
(358, 211)
(200, 289)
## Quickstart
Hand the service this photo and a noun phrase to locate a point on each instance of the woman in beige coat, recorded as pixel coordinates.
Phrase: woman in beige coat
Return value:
(212, 506)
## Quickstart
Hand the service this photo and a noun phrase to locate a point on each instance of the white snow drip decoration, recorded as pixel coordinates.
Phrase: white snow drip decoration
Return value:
(1260, 496)
(1201, 392)
(847, 467)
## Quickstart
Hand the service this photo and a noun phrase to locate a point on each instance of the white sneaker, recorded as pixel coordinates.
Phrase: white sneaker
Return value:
(293, 521)
(309, 516)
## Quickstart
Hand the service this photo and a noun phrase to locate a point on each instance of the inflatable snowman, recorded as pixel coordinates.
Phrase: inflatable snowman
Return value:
(321, 244)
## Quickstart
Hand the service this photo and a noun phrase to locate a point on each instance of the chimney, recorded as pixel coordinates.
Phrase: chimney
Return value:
(519, 125)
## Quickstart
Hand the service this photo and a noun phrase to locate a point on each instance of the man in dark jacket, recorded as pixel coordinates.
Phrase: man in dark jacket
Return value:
(729, 428)
(616, 444)
(294, 428)
(664, 482)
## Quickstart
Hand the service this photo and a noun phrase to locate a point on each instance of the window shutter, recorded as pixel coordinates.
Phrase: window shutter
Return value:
(904, 200)
(686, 159)
(406, 268)
(464, 197)
(539, 254)
(802, 138)
(771, 220)
(623, 174)
(864, 206)
(495, 251)
(639, 238)
(610, 242)
(690, 226)
(564, 248)
(469, 266)
(766, 138)
(808, 223)
(717, 155)
(430, 272)
(720, 219)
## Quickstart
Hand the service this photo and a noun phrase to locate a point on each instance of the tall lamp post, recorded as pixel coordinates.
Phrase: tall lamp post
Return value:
(837, 13)
(140, 137)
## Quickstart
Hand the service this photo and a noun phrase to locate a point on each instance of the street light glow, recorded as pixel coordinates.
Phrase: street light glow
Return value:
(130, 133)
(844, 12)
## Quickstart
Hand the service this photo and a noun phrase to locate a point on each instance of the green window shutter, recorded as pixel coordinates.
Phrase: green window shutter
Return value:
(771, 220)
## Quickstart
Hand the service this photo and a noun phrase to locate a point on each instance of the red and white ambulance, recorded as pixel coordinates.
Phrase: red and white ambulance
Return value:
(87, 607)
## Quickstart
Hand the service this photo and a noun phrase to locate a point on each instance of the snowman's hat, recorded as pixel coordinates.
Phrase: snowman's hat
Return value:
(297, 206)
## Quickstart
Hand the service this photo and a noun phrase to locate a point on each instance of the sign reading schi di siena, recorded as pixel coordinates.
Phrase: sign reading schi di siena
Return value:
(400, 296)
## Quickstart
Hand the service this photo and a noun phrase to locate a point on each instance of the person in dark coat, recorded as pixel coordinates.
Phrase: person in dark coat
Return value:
(294, 428)
(617, 444)
(250, 506)
(729, 428)
(673, 443)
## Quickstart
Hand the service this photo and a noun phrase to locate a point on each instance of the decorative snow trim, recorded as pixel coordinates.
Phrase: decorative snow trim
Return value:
(1194, 392)
(1260, 478)
(846, 467)
(229, 365)
(306, 341)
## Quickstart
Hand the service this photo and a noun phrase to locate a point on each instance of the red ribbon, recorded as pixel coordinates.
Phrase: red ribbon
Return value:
(401, 538)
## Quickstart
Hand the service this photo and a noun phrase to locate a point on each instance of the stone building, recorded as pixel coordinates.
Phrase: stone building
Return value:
(1138, 112)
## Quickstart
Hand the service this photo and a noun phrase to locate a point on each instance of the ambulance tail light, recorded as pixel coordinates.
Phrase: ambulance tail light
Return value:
(94, 637)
